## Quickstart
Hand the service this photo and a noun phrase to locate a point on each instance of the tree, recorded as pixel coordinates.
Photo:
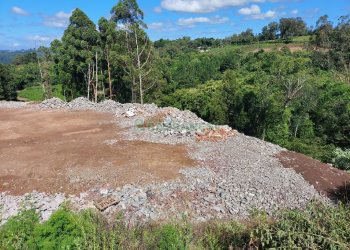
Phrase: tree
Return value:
(108, 38)
(129, 16)
(245, 37)
(44, 64)
(77, 55)
(323, 32)
(291, 27)
(7, 86)
(270, 31)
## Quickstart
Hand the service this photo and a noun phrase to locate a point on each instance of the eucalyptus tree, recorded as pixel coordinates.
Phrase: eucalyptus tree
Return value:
(78, 55)
(109, 44)
(129, 17)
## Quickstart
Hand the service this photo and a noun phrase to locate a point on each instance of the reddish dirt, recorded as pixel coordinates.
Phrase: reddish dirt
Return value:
(61, 151)
(326, 179)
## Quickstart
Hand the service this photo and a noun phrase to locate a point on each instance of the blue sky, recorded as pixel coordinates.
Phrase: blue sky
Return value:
(30, 23)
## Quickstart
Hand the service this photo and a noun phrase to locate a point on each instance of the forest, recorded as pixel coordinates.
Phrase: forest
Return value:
(258, 84)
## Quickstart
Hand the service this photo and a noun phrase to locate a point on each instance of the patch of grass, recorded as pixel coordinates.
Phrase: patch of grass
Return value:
(36, 93)
(318, 227)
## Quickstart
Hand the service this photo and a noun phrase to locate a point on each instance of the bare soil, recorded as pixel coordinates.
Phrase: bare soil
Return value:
(326, 179)
(71, 152)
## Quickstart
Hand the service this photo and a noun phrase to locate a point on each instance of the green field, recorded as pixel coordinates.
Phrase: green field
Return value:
(36, 93)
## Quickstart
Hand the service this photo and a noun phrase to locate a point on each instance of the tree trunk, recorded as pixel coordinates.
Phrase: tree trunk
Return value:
(139, 66)
(89, 82)
(109, 75)
(96, 87)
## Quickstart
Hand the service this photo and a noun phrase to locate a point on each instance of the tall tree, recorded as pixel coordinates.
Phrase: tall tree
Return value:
(79, 47)
(108, 37)
(290, 27)
(7, 86)
(129, 17)
(323, 32)
(269, 32)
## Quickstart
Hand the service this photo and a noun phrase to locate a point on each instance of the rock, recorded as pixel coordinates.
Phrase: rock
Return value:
(129, 113)
(104, 191)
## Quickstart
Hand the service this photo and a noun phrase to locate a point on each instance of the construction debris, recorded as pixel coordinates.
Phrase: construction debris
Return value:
(105, 203)
(215, 134)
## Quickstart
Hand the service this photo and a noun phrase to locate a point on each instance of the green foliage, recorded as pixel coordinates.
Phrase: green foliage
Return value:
(317, 227)
(7, 83)
(18, 230)
(36, 93)
(206, 101)
(74, 54)
(169, 236)
(62, 231)
(341, 158)
(216, 235)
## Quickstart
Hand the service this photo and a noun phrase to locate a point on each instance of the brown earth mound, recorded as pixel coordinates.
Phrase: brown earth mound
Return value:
(61, 151)
(326, 179)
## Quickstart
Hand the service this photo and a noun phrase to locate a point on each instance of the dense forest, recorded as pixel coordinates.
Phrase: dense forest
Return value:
(289, 85)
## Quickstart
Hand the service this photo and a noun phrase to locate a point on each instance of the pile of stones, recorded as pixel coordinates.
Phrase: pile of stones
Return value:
(53, 103)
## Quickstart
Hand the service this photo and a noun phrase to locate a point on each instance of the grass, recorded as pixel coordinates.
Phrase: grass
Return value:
(36, 93)
(318, 227)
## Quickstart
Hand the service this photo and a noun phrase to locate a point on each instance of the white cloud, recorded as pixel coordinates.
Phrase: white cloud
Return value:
(161, 27)
(158, 9)
(294, 12)
(156, 25)
(59, 20)
(190, 22)
(252, 10)
(19, 11)
(203, 6)
(38, 38)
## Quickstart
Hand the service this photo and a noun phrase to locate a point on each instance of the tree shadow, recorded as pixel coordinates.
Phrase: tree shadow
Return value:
(341, 194)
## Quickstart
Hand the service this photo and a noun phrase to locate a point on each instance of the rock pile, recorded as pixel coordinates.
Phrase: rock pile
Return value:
(53, 103)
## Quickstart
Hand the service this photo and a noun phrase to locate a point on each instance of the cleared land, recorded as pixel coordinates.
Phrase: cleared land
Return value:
(91, 154)
(70, 152)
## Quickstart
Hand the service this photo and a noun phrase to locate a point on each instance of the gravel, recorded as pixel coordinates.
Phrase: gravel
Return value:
(233, 176)
(12, 105)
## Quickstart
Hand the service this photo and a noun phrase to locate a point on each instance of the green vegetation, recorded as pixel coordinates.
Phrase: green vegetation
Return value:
(342, 159)
(318, 227)
(36, 93)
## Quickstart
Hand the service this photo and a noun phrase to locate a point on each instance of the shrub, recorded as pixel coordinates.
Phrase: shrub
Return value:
(18, 230)
(169, 236)
(341, 159)
(319, 227)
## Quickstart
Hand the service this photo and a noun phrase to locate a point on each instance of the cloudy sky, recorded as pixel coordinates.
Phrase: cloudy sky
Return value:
(31, 23)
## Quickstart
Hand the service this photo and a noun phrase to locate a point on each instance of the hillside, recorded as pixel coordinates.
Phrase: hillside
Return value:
(7, 56)
(162, 153)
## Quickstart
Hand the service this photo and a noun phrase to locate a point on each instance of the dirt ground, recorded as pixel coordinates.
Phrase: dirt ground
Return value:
(326, 179)
(71, 152)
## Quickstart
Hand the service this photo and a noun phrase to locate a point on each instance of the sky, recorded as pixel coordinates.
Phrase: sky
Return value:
(28, 24)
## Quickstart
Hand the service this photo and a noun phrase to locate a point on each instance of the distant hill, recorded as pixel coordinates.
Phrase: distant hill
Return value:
(7, 56)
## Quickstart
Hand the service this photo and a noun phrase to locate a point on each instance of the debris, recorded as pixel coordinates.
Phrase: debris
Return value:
(215, 134)
(105, 203)
(130, 113)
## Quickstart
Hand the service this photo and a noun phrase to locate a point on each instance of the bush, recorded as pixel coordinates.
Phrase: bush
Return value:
(318, 227)
(341, 159)
(18, 230)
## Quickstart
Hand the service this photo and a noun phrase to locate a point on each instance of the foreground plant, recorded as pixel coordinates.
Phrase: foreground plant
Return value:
(318, 227)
